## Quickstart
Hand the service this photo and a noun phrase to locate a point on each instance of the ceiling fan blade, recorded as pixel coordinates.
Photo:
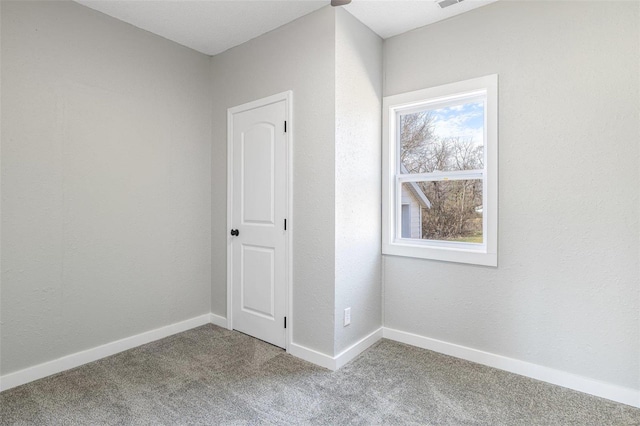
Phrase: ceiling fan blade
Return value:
(339, 2)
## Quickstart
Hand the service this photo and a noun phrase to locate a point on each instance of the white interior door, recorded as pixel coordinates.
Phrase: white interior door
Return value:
(258, 201)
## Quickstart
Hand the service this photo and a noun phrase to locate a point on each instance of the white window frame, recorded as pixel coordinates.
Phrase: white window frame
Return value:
(477, 254)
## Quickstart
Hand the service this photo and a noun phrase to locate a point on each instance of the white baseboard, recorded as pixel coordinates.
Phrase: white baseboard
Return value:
(354, 350)
(557, 377)
(218, 320)
(312, 356)
(77, 359)
(336, 362)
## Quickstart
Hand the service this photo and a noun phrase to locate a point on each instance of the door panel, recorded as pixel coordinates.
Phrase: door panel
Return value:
(258, 174)
(258, 209)
(257, 284)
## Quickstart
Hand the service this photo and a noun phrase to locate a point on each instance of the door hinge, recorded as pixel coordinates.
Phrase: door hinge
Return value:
(285, 322)
(285, 127)
(285, 224)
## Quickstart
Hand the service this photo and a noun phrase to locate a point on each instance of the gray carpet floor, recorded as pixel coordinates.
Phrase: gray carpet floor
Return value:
(210, 375)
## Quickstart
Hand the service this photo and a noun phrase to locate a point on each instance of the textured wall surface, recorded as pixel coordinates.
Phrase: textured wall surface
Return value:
(105, 181)
(300, 57)
(565, 292)
(357, 180)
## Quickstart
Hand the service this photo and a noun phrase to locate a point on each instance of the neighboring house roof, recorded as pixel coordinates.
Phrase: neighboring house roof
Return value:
(416, 191)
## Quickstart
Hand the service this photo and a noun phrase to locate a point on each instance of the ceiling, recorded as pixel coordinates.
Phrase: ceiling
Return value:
(213, 26)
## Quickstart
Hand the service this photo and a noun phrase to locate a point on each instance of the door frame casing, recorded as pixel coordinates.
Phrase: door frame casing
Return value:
(288, 98)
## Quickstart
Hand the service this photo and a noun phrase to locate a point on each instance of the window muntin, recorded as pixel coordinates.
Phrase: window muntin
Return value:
(441, 146)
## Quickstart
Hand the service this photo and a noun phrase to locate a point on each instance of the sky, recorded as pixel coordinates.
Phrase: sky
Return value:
(465, 120)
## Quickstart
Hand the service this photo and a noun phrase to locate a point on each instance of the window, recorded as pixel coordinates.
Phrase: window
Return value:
(440, 166)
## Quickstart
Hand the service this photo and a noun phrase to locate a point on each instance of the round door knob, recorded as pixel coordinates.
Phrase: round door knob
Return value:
(235, 232)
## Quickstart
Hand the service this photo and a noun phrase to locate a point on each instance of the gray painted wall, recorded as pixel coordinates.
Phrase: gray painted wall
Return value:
(106, 183)
(299, 56)
(357, 179)
(565, 293)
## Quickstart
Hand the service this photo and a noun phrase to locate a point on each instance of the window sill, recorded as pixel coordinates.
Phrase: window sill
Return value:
(457, 255)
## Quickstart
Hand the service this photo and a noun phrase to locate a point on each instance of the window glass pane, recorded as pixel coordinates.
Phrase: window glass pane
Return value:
(444, 210)
(443, 139)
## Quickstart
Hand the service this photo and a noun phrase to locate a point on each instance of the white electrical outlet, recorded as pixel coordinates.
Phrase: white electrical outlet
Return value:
(347, 317)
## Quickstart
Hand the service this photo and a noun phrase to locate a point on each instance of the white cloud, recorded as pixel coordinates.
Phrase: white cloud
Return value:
(460, 121)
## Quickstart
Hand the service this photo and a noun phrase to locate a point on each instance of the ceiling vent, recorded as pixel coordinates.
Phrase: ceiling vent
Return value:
(447, 3)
